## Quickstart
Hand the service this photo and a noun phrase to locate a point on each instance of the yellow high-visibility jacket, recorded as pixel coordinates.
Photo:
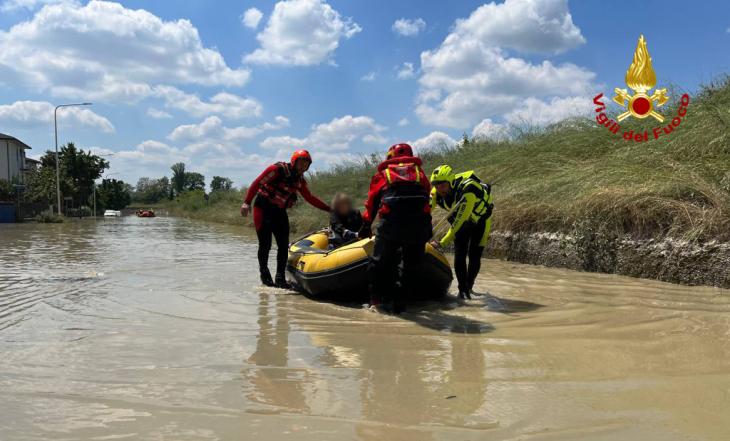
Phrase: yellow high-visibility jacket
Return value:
(474, 200)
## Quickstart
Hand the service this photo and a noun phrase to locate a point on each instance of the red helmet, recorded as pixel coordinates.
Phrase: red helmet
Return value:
(300, 154)
(398, 150)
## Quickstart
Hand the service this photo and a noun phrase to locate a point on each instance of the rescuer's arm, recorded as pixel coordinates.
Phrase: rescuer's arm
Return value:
(312, 199)
(372, 203)
(463, 214)
(424, 180)
(265, 176)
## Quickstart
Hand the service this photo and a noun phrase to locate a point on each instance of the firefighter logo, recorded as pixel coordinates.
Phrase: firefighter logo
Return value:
(641, 79)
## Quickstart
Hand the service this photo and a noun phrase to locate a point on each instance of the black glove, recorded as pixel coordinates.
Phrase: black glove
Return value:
(365, 231)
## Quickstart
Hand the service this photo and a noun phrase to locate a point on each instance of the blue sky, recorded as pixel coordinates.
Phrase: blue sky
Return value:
(194, 81)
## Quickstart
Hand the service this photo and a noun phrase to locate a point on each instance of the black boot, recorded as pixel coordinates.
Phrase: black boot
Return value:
(281, 282)
(266, 279)
(464, 294)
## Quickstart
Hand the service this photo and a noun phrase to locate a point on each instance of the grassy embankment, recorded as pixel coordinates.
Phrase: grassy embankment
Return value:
(573, 177)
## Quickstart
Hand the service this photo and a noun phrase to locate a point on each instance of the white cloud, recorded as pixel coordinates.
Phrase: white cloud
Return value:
(331, 141)
(251, 18)
(543, 26)
(212, 130)
(468, 78)
(341, 132)
(403, 122)
(152, 158)
(157, 113)
(487, 129)
(302, 33)
(14, 5)
(152, 152)
(37, 114)
(149, 158)
(433, 140)
(370, 76)
(541, 113)
(104, 51)
(223, 103)
(284, 142)
(408, 28)
(406, 71)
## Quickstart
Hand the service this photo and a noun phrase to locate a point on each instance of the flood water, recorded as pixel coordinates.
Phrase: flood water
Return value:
(157, 329)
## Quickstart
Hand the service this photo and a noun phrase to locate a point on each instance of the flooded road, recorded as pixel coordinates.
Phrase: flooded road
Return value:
(156, 329)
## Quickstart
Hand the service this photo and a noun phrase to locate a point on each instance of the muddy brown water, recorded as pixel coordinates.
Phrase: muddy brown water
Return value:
(156, 329)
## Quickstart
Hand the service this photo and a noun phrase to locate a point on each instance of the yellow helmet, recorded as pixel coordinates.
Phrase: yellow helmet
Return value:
(442, 173)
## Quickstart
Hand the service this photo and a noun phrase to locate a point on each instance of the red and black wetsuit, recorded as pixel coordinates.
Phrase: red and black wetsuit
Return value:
(399, 194)
(276, 190)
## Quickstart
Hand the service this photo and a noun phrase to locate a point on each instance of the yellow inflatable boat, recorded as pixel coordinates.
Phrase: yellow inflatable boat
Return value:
(340, 274)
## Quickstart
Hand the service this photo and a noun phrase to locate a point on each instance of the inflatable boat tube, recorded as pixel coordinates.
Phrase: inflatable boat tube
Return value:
(341, 274)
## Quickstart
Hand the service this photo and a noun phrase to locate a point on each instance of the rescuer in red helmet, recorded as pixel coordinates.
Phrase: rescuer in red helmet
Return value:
(276, 190)
(399, 194)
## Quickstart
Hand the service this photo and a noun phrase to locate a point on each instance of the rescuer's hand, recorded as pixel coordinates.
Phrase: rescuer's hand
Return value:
(245, 209)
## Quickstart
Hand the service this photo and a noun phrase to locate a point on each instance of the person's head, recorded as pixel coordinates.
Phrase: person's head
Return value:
(442, 179)
(399, 150)
(341, 204)
(300, 161)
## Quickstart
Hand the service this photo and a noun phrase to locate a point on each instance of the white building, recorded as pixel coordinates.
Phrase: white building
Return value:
(12, 158)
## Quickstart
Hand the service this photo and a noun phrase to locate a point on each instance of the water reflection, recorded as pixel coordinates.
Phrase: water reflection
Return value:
(386, 381)
(157, 329)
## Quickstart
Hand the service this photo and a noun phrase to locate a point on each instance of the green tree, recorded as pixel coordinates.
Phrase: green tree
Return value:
(79, 170)
(113, 194)
(151, 190)
(7, 191)
(194, 181)
(41, 185)
(178, 177)
(220, 183)
(465, 140)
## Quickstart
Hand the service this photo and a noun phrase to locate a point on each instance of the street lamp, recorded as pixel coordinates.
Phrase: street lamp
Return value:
(58, 165)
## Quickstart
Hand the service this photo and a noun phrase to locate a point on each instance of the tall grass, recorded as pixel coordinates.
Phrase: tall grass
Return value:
(574, 177)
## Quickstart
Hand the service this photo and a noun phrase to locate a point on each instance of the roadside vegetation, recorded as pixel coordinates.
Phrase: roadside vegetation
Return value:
(573, 177)
(79, 173)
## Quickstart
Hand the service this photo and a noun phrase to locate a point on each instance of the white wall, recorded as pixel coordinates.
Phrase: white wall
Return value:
(12, 160)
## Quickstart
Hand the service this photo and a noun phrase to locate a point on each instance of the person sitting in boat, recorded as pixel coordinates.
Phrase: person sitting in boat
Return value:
(276, 191)
(469, 202)
(345, 222)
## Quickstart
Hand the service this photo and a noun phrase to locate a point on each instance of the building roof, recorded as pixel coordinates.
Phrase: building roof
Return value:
(12, 138)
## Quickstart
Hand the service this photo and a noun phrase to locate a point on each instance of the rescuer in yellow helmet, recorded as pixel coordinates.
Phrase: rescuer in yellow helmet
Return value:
(469, 202)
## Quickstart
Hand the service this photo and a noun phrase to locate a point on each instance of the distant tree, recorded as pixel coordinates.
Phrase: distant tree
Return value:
(79, 170)
(220, 183)
(194, 181)
(113, 194)
(151, 190)
(465, 140)
(178, 177)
